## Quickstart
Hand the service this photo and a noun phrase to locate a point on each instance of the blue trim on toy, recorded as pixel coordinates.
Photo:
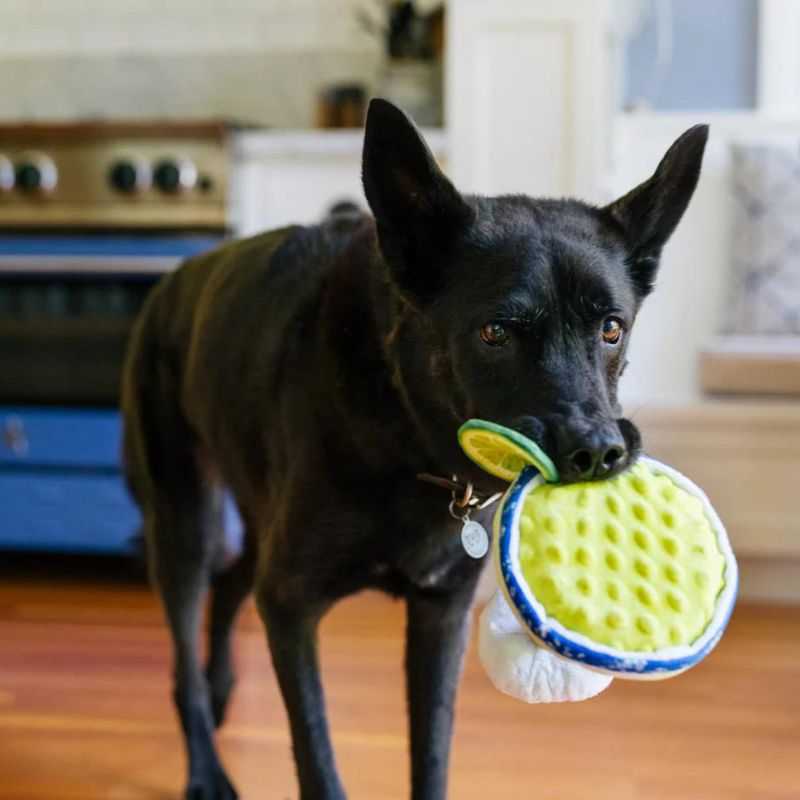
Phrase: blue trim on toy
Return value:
(564, 646)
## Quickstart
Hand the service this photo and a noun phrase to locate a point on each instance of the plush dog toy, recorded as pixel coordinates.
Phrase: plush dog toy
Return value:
(633, 577)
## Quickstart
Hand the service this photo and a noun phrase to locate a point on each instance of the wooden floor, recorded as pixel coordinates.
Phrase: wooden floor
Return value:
(85, 710)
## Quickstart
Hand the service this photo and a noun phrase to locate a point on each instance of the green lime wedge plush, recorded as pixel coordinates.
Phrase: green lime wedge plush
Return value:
(503, 452)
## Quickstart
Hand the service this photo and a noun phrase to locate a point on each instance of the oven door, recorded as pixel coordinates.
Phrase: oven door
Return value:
(67, 305)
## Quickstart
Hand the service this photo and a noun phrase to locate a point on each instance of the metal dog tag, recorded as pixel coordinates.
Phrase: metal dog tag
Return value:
(474, 539)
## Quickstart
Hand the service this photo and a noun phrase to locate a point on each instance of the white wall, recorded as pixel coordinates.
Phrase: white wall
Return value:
(779, 58)
(685, 311)
(118, 26)
(257, 60)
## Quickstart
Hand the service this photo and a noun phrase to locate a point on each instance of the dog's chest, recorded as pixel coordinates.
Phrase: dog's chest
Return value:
(429, 552)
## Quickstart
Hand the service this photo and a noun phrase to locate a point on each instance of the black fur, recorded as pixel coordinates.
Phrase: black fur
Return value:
(315, 371)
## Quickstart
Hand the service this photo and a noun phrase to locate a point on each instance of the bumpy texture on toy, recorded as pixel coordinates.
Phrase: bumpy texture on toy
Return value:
(633, 577)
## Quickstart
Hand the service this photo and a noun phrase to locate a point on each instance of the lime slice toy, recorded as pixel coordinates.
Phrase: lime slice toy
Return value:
(503, 452)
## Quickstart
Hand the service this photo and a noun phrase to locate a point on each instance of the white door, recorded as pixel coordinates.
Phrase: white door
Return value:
(528, 95)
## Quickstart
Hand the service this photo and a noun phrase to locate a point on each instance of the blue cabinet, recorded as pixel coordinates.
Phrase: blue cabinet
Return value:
(66, 512)
(62, 437)
(67, 305)
(61, 484)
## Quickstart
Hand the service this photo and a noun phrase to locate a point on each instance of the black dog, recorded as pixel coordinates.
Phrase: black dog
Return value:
(315, 372)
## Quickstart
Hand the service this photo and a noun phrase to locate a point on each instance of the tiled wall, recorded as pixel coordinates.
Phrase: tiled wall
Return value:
(259, 60)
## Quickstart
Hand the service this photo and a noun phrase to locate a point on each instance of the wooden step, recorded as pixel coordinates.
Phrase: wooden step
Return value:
(751, 365)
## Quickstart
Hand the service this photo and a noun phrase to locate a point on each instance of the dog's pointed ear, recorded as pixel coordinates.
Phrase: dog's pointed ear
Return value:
(416, 208)
(649, 214)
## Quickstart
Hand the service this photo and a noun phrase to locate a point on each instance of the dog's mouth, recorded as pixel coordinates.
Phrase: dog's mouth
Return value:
(584, 448)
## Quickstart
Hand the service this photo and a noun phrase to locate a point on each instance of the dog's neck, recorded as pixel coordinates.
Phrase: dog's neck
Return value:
(411, 350)
(410, 418)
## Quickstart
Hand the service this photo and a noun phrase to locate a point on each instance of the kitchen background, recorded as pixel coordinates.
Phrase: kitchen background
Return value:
(606, 87)
(266, 61)
(258, 61)
(547, 97)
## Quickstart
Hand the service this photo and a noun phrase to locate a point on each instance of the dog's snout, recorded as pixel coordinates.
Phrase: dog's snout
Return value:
(584, 447)
(588, 464)
(591, 452)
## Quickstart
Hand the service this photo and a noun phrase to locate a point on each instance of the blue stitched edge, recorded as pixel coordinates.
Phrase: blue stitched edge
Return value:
(563, 645)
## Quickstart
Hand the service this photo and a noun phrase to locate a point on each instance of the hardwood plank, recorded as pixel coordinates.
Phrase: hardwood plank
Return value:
(85, 709)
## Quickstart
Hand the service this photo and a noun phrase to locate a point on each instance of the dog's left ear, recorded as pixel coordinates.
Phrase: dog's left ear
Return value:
(416, 208)
(650, 213)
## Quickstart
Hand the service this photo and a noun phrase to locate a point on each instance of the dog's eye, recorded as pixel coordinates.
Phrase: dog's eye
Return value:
(612, 330)
(495, 334)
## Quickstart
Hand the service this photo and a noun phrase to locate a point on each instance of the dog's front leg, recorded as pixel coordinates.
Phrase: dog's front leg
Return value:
(435, 640)
(292, 636)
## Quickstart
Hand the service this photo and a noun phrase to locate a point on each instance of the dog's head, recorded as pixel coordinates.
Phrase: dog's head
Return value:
(527, 304)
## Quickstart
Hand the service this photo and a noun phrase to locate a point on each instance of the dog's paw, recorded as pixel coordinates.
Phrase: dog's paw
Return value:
(215, 787)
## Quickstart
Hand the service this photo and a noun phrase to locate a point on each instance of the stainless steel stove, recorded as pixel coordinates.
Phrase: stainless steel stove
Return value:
(114, 175)
(91, 216)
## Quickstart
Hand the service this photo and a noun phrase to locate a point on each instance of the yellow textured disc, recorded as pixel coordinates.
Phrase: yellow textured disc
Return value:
(632, 563)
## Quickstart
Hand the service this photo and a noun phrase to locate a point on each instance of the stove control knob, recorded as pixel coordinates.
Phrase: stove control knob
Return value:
(129, 175)
(35, 173)
(7, 176)
(173, 175)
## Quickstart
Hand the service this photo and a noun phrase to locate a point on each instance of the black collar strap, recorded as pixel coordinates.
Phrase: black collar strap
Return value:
(463, 494)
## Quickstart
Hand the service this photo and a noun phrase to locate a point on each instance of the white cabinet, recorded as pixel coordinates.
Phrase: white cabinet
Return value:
(285, 177)
(528, 95)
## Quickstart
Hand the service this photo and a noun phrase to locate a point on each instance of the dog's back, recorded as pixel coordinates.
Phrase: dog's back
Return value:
(189, 384)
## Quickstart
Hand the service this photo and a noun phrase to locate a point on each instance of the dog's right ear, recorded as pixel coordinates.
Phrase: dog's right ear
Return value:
(416, 208)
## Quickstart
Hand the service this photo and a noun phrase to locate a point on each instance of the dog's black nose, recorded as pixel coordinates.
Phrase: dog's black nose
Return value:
(585, 464)
(593, 454)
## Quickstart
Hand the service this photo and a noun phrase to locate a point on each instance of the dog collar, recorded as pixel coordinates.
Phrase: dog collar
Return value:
(463, 500)
(463, 494)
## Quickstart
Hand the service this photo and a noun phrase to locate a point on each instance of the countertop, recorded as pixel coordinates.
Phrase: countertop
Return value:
(260, 144)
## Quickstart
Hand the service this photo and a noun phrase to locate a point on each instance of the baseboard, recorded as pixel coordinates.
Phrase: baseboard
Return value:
(770, 580)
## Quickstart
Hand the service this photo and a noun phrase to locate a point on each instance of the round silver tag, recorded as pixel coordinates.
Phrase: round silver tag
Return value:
(474, 539)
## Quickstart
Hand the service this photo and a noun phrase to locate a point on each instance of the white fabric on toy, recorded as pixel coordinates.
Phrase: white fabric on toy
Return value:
(519, 667)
